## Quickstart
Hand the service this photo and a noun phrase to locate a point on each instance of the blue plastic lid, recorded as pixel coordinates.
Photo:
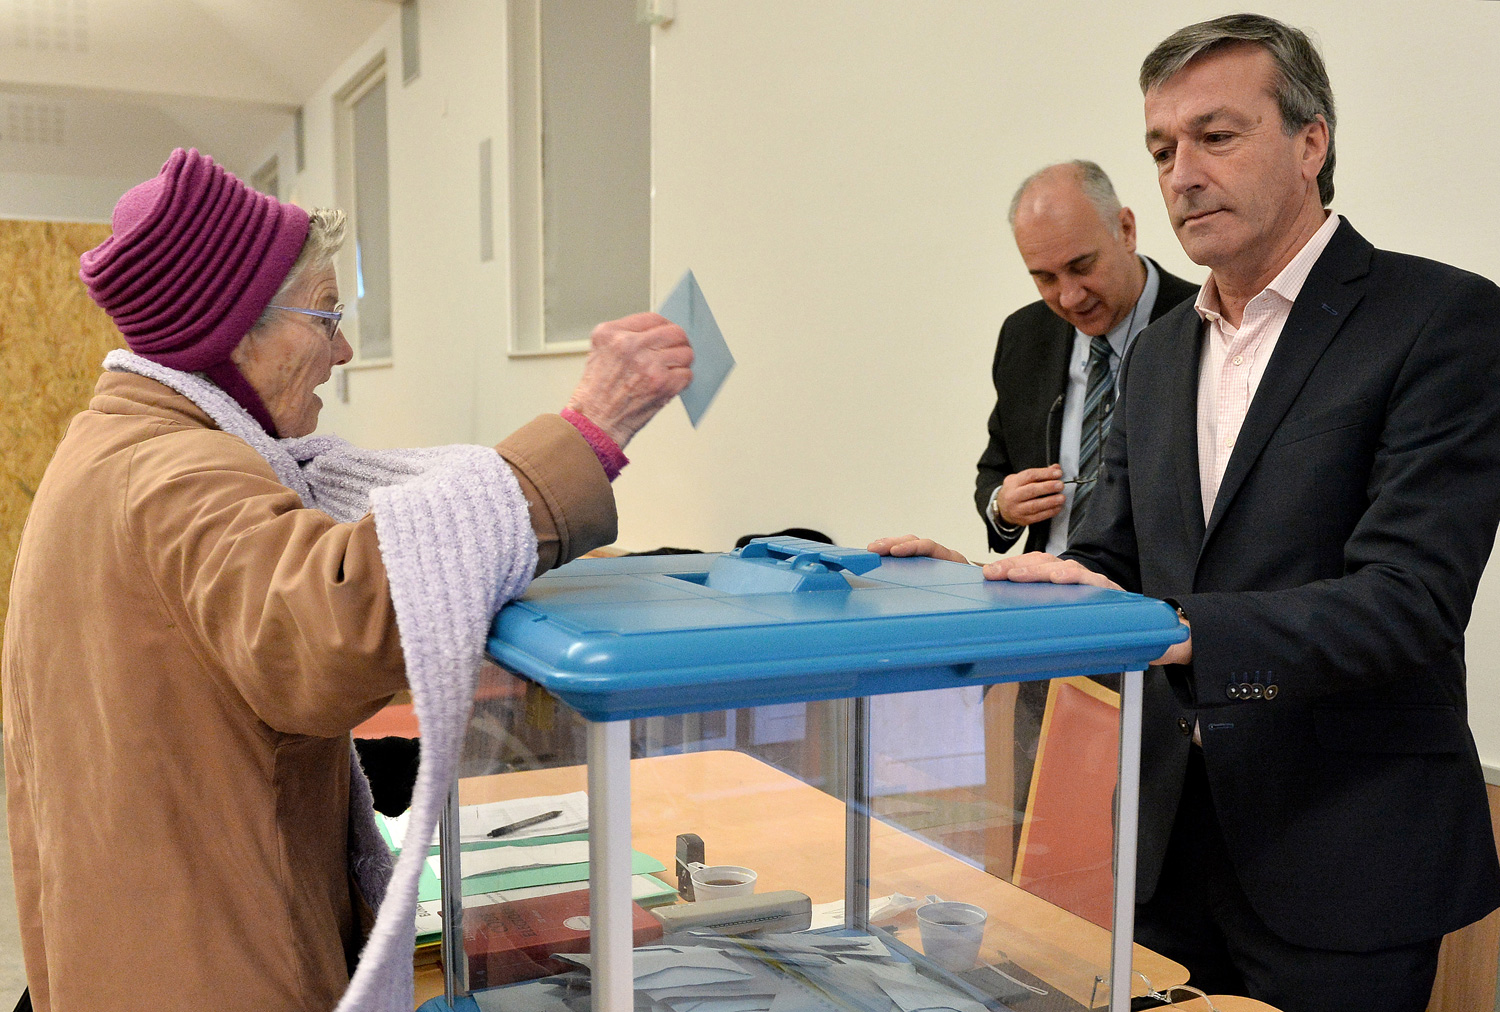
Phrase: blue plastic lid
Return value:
(652, 635)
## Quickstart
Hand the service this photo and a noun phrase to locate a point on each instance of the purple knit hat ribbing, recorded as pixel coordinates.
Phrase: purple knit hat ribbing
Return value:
(195, 258)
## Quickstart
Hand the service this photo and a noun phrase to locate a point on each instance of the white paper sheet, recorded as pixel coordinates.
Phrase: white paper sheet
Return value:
(712, 360)
(545, 855)
(476, 821)
(641, 886)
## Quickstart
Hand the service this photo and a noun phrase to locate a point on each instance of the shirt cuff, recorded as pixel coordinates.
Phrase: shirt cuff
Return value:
(992, 511)
(611, 457)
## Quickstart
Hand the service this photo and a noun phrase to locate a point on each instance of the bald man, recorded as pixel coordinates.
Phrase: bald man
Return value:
(1057, 360)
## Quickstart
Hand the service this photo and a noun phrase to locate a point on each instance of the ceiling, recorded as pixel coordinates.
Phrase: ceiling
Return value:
(107, 88)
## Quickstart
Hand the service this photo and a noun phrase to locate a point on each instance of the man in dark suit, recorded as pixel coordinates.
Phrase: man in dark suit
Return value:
(1078, 244)
(1306, 463)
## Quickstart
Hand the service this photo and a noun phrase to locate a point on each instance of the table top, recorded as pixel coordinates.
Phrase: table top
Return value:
(751, 814)
(1224, 1003)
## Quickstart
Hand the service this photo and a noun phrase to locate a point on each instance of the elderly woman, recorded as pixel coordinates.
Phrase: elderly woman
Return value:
(206, 600)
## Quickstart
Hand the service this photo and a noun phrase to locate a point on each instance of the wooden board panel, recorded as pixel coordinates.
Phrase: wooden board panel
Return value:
(52, 339)
(1467, 965)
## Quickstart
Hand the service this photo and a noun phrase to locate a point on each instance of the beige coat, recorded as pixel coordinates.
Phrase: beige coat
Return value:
(186, 652)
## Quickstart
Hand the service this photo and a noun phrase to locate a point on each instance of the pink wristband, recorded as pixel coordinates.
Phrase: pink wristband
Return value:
(611, 457)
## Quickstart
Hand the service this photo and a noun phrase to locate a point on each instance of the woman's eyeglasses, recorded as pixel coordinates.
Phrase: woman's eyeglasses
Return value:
(330, 318)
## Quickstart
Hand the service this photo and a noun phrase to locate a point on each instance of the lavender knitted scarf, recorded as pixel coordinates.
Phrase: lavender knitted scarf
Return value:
(455, 535)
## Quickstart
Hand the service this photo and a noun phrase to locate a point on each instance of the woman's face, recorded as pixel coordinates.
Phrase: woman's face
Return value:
(287, 358)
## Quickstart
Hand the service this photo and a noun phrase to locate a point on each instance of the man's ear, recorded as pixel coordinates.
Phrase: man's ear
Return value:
(1127, 228)
(1315, 147)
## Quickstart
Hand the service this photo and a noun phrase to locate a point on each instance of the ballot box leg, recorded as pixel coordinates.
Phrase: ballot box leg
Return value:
(1127, 824)
(855, 721)
(455, 960)
(609, 865)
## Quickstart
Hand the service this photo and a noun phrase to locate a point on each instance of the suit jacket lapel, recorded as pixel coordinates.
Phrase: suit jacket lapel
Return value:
(1163, 302)
(1060, 344)
(1332, 289)
(1182, 402)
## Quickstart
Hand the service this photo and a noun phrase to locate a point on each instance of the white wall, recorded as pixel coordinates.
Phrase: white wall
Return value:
(837, 175)
(33, 196)
(451, 379)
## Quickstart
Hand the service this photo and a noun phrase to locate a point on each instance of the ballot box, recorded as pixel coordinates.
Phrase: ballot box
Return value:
(798, 778)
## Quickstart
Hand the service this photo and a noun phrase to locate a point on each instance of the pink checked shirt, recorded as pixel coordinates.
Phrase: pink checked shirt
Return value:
(1234, 359)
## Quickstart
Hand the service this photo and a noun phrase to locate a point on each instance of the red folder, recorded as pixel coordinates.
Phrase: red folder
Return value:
(508, 942)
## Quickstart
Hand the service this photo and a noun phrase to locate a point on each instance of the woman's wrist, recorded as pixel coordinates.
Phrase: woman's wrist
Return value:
(611, 457)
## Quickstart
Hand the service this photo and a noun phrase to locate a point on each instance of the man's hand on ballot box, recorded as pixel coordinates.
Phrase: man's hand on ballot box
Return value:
(1033, 567)
(909, 545)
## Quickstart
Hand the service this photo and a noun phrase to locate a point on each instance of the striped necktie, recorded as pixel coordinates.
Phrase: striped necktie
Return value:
(1098, 402)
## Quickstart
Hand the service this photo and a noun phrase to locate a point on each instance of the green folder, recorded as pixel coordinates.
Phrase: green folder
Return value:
(429, 887)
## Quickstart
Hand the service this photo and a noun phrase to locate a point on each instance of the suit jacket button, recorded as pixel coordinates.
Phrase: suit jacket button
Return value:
(1184, 726)
(1233, 691)
(1271, 691)
(1256, 690)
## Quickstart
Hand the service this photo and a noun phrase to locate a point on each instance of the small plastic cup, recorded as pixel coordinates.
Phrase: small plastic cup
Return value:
(952, 933)
(716, 881)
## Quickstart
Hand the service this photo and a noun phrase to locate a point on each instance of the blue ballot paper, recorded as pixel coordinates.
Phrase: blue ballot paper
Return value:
(712, 361)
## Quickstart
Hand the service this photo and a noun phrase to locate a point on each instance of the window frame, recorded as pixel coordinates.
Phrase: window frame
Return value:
(359, 85)
(525, 212)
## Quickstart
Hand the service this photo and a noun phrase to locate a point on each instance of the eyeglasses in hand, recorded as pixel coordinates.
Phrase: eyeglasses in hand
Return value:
(1104, 412)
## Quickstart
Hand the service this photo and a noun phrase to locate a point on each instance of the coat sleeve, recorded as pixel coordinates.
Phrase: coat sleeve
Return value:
(572, 507)
(994, 463)
(292, 609)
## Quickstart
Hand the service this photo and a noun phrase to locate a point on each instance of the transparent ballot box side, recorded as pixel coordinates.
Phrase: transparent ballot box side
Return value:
(797, 777)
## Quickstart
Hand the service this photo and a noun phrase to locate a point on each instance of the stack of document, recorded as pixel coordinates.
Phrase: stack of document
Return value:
(801, 972)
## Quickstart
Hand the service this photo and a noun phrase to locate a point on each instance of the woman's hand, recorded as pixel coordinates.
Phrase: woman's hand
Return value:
(635, 366)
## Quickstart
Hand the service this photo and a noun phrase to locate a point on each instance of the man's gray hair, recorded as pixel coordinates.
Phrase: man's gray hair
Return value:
(1302, 91)
(1091, 179)
(325, 237)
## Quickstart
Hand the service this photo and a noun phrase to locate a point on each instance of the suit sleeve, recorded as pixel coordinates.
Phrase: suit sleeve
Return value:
(994, 463)
(1414, 559)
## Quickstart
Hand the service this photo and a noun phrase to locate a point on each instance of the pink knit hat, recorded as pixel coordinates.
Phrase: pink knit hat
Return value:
(195, 258)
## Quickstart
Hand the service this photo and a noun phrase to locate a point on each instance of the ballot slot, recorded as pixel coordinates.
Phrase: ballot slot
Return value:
(782, 565)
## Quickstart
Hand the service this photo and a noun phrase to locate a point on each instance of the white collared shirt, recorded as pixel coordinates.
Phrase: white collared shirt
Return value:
(1233, 359)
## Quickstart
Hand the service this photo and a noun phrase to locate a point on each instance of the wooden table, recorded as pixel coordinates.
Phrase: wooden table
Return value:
(751, 814)
(1224, 1003)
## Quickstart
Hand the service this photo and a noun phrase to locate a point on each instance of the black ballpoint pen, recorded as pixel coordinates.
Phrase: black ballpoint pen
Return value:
(524, 823)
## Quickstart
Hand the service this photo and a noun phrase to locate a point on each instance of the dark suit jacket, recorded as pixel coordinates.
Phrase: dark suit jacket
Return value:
(1339, 564)
(1030, 373)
